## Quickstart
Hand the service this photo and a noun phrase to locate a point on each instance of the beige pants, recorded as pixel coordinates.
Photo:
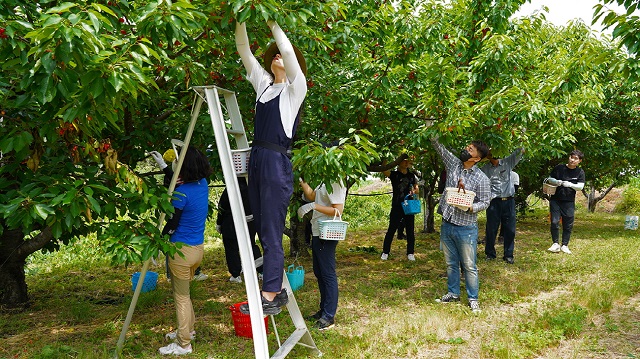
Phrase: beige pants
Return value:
(182, 270)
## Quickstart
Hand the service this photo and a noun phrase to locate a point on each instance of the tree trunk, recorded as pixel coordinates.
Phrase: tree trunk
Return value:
(428, 222)
(297, 243)
(593, 198)
(13, 287)
(14, 250)
(429, 214)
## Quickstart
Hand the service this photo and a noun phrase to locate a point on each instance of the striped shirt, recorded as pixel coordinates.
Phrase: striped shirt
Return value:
(472, 178)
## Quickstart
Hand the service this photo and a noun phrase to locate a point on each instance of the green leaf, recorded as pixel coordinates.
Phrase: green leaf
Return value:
(43, 210)
(94, 21)
(116, 81)
(94, 204)
(64, 7)
(51, 21)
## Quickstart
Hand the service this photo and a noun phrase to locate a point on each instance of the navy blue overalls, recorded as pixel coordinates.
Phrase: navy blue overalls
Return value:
(270, 188)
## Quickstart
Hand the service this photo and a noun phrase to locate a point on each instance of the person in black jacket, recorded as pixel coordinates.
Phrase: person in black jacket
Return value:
(569, 178)
(404, 182)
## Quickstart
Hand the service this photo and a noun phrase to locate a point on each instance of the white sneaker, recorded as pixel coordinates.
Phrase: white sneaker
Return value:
(411, 257)
(173, 335)
(565, 249)
(237, 279)
(200, 277)
(384, 256)
(260, 276)
(555, 248)
(175, 349)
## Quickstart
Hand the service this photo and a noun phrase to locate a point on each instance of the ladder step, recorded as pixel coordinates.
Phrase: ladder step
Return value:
(288, 345)
(235, 132)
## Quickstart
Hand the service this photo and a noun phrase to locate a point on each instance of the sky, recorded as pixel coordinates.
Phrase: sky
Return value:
(562, 11)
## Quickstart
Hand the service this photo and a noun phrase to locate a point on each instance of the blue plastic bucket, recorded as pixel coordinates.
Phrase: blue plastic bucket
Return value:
(149, 284)
(295, 276)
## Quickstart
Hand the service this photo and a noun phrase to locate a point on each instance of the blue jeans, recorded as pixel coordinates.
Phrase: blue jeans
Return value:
(460, 244)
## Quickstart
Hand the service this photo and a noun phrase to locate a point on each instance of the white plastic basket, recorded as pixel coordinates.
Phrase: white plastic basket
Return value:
(460, 197)
(548, 188)
(240, 160)
(333, 229)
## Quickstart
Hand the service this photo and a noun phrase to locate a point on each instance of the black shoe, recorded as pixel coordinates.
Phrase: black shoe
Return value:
(270, 307)
(509, 260)
(401, 236)
(282, 298)
(500, 240)
(324, 324)
(448, 298)
(317, 315)
(491, 258)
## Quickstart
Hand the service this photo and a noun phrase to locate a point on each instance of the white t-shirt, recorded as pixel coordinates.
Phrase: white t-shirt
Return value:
(323, 198)
(515, 179)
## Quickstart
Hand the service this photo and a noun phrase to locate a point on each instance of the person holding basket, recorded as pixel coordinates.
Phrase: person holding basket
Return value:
(459, 231)
(569, 178)
(404, 183)
(325, 206)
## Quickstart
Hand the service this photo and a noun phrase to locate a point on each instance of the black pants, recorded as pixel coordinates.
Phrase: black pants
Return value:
(231, 249)
(324, 268)
(566, 211)
(501, 212)
(395, 217)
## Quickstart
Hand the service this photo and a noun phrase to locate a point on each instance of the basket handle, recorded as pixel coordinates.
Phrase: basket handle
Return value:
(290, 268)
(461, 186)
(336, 213)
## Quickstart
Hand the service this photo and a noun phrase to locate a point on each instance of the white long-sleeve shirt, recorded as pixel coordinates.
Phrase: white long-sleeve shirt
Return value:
(292, 92)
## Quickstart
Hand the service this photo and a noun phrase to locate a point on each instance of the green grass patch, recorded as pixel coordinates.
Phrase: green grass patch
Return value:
(546, 301)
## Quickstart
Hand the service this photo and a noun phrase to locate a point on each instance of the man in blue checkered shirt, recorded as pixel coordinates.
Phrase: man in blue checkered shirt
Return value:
(459, 230)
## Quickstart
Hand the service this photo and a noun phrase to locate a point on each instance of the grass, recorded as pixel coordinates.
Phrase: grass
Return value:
(547, 305)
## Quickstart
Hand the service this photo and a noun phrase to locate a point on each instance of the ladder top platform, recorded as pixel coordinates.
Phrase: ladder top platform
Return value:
(201, 89)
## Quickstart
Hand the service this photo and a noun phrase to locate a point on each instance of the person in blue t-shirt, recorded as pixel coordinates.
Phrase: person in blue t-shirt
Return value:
(170, 156)
(186, 227)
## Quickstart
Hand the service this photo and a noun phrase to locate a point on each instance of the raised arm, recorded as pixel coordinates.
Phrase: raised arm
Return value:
(291, 66)
(242, 44)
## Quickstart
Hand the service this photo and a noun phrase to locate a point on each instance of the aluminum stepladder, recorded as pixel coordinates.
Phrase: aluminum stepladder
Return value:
(301, 336)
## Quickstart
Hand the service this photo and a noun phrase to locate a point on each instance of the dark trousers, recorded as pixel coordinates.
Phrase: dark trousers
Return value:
(324, 268)
(270, 189)
(231, 249)
(395, 217)
(500, 212)
(566, 211)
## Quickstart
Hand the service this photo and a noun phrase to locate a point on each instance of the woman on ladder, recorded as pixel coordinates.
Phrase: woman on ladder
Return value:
(280, 88)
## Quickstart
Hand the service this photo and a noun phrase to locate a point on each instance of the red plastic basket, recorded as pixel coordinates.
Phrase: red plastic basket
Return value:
(242, 322)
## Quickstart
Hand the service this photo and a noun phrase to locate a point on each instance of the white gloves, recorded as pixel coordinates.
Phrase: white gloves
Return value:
(304, 209)
(566, 184)
(554, 182)
(158, 158)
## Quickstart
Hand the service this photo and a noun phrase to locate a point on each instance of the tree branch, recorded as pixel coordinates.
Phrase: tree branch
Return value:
(35, 243)
(388, 166)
